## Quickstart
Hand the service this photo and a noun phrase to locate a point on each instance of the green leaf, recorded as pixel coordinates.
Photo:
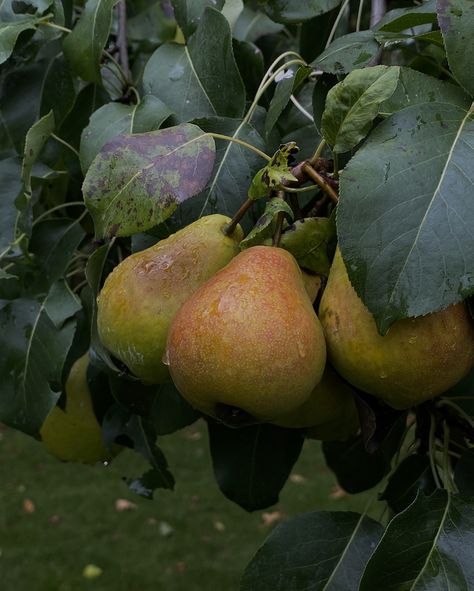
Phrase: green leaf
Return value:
(137, 181)
(34, 142)
(264, 226)
(294, 11)
(94, 272)
(188, 13)
(414, 88)
(411, 475)
(10, 171)
(9, 32)
(427, 547)
(35, 337)
(251, 25)
(406, 250)
(276, 172)
(353, 104)
(456, 21)
(59, 90)
(287, 84)
(347, 53)
(308, 241)
(400, 19)
(83, 47)
(234, 167)
(170, 411)
(113, 119)
(320, 551)
(53, 243)
(251, 464)
(249, 59)
(201, 78)
(356, 469)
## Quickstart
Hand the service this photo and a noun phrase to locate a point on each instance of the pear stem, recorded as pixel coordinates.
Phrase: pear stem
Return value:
(230, 227)
(320, 181)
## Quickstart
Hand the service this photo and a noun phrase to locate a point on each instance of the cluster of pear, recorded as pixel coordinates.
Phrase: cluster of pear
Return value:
(238, 334)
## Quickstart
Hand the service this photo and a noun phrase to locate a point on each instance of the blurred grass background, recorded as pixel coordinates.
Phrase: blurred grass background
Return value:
(56, 518)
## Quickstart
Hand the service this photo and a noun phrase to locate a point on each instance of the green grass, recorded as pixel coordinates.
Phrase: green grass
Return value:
(75, 521)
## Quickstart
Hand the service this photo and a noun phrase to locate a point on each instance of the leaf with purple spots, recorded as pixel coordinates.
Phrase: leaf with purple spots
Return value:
(137, 181)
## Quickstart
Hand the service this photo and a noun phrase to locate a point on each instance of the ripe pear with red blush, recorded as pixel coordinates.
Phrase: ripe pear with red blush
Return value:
(144, 292)
(418, 359)
(248, 344)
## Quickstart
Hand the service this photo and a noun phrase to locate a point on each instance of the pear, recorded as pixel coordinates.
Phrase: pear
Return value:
(331, 408)
(312, 284)
(74, 434)
(248, 341)
(144, 292)
(418, 359)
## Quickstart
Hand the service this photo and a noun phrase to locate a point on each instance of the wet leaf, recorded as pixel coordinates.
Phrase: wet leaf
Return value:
(137, 181)
(407, 251)
(320, 551)
(456, 21)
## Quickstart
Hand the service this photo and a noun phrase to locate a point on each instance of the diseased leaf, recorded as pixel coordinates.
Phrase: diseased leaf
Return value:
(308, 241)
(427, 547)
(353, 104)
(251, 464)
(456, 21)
(200, 78)
(293, 11)
(264, 226)
(349, 52)
(31, 371)
(320, 551)
(137, 181)
(83, 47)
(114, 118)
(276, 172)
(408, 251)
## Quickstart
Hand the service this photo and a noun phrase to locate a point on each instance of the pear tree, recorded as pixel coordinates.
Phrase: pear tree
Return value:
(256, 214)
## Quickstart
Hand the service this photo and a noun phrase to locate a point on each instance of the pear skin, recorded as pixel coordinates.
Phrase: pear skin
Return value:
(144, 292)
(248, 339)
(74, 434)
(331, 407)
(418, 359)
(312, 284)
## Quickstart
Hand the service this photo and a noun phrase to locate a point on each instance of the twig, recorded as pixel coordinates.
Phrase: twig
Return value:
(122, 38)
(319, 180)
(377, 10)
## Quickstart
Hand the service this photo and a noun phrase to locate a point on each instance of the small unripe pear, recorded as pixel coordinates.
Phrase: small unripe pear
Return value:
(418, 359)
(248, 339)
(331, 408)
(74, 434)
(144, 292)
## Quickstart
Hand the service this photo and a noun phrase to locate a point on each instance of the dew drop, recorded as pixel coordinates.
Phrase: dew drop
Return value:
(166, 358)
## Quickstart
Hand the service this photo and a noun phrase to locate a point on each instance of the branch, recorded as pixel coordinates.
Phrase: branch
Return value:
(320, 181)
(378, 9)
(122, 38)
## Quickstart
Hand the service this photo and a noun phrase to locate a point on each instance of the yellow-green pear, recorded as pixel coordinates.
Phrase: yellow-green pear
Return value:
(331, 408)
(418, 359)
(248, 340)
(74, 434)
(312, 284)
(144, 292)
